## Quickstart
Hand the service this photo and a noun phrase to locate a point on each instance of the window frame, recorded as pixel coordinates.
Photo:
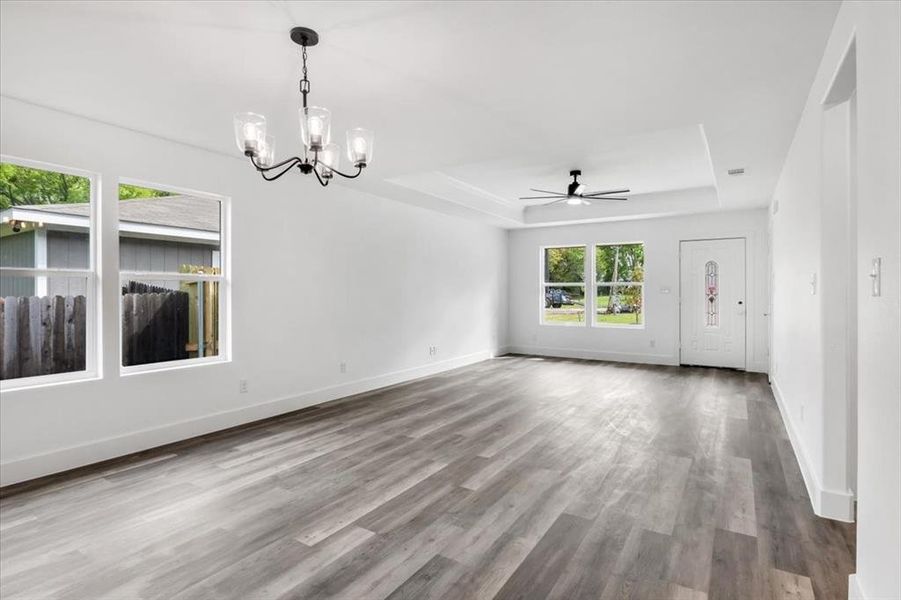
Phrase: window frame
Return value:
(544, 284)
(224, 280)
(91, 275)
(595, 322)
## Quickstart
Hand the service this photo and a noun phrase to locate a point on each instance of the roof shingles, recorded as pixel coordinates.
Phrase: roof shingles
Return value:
(189, 212)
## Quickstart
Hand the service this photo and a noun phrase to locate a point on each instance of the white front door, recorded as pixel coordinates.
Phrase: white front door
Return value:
(712, 300)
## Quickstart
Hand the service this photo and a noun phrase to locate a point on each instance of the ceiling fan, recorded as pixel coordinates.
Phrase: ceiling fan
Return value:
(575, 193)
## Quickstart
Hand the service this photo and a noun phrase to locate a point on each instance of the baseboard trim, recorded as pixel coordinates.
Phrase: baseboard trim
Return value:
(855, 592)
(827, 503)
(627, 357)
(50, 463)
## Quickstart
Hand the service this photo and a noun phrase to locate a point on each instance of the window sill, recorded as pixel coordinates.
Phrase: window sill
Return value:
(618, 326)
(580, 324)
(44, 381)
(172, 365)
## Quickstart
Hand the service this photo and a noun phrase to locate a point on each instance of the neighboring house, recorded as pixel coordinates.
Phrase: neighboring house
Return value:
(155, 234)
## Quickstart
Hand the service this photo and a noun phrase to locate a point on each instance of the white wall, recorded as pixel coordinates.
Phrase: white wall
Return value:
(320, 277)
(802, 322)
(661, 238)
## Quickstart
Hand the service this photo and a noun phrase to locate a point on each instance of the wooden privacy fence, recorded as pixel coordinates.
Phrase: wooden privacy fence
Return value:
(42, 335)
(155, 324)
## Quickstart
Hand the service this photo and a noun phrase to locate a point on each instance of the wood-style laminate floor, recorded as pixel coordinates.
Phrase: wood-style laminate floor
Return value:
(514, 478)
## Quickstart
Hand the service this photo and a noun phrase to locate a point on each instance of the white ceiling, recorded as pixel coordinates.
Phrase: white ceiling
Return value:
(473, 103)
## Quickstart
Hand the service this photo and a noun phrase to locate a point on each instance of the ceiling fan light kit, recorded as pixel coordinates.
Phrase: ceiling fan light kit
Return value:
(321, 156)
(575, 194)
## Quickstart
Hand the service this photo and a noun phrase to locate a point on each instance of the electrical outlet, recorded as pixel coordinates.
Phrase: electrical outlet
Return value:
(433, 350)
(343, 367)
(242, 386)
(653, 343)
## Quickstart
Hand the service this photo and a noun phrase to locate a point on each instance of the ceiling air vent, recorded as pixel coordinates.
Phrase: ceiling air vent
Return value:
(736, 171)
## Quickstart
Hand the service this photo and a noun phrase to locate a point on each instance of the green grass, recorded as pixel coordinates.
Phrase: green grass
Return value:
(574, 313)
(620, 319)
(553, 317)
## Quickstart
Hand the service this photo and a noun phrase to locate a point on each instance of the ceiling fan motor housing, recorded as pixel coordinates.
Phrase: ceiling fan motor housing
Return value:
(575, 188)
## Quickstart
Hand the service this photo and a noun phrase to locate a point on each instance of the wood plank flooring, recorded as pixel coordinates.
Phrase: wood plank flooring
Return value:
(518, 477)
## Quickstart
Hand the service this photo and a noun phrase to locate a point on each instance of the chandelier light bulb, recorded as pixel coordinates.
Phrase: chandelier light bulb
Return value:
(315, 127)
(328, 160)
(359, 147)
(250, 132)
(266, 152)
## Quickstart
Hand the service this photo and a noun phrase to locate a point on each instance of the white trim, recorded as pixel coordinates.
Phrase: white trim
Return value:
(40, 381)
(171, 365)
(164, 275)
(126, 228)
(29, 272)
(167, 232)
(224, 278)
(855, 591)
(40, 260)
(46, 217)
(543, 285)
(93, 299)
(626, 357)
(593, 271)
(827, 503)
(38, 465)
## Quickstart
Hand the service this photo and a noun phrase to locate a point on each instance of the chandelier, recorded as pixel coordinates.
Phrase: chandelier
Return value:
(321, 156)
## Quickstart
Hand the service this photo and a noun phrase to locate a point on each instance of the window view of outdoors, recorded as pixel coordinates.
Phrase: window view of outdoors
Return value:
(620, 284)
(170, 271)
(564, 286)
(44, 224)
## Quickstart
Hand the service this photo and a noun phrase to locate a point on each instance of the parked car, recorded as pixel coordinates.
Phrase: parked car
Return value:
(555, 298)
(621, 307)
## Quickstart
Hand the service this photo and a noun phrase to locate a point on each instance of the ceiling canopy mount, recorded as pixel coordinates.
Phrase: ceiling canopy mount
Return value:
(304, 36)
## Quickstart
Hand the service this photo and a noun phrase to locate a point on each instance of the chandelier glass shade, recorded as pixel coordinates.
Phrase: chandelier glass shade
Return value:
(320, 155)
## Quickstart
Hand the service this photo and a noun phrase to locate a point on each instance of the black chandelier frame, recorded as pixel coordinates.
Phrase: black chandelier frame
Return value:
(304, 37)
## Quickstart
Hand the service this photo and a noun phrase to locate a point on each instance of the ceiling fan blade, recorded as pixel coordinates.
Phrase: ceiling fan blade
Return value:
(564, 199)
(603, 198)
(607, 192)
(542, 197)
(547, 192)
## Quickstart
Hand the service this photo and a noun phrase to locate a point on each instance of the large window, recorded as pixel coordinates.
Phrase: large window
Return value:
(171, 275)
(47, 273)
(563, 286)
(619, 283)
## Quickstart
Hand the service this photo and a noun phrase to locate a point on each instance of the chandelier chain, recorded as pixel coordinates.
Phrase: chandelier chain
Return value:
(304, 83)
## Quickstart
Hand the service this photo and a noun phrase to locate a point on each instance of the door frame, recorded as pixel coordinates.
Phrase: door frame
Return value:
(743, 238)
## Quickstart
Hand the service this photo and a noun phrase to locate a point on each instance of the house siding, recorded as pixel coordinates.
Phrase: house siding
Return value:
(70, 250)
(17, 250)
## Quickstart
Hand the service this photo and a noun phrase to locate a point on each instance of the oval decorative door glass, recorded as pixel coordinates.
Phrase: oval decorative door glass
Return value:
(711, 281)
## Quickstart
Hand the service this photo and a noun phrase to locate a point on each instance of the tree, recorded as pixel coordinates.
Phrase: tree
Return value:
(632, 293)
(21, 186)
(127, 192)
(565, 265)
(617, 264)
